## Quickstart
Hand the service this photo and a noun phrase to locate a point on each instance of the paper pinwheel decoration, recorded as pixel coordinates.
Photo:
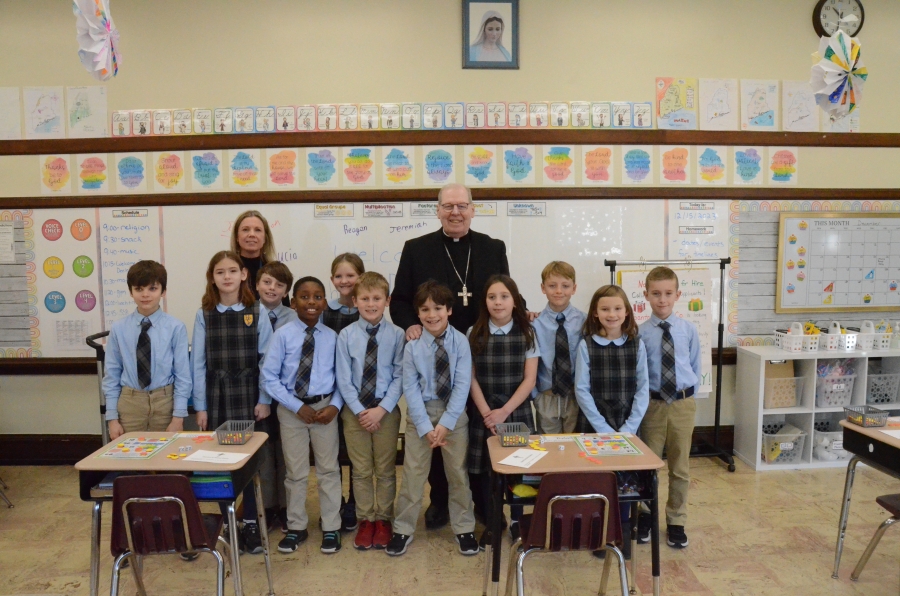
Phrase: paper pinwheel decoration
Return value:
(97, 38)
(839, 75)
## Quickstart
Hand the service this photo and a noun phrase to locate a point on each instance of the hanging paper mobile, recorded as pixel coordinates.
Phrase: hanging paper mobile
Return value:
(840, 75)
(97, 38)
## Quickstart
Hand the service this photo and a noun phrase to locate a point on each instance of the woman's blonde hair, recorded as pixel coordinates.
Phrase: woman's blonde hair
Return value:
(268, 248)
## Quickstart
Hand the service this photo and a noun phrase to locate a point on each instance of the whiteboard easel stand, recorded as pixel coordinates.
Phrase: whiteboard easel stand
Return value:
(713, 450)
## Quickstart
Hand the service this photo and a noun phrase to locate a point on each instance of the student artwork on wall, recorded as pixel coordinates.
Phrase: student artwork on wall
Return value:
(358, 164)
(244, 169)
(93, 173)
(675, 165)
(168, 171)
(799, 107)
(759, 105)
(559, 161)
(480, 162)
(597, 163)
(712, 165)
(518, 164)
(321, 167)
(783, 164)
(284, 168)
(397, 166)
(676, 103)
(44, 112)
(131, 173)
(10, 114)
(56, 178)
(719, 104)
(490, 34)
(438, 164)
(748, 166)
(207, 170)
(637, 164)
(86, 112)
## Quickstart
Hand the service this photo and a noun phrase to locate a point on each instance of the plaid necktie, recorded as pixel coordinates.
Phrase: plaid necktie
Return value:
(272, 319)
(370, 371)
(441, 369)
(143, 354)
(562, 362)
(667, 368)
(306, 363)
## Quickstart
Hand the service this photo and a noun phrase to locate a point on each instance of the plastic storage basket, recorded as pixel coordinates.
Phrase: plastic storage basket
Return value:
(834, 392)
(513, 434)
(782, 393)
(866, 416)
(234, 432)
(795, 341)
(782, 449)
(882, 389)
(828, 441)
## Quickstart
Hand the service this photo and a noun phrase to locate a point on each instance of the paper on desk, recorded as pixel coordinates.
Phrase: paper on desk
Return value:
(523, 458)
(216, 457)
(892, 433)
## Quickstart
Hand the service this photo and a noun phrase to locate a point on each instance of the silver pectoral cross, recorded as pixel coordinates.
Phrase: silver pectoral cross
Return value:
(465, 295)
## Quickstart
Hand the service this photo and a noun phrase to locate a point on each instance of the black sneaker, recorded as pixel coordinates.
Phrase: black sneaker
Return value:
(514, 531)
(252, 538)
(643, 528)
(468, 546)
(331, 542)
(398, 544)
(292, 541)
(240, 538)
(348, 517)
(676, 537)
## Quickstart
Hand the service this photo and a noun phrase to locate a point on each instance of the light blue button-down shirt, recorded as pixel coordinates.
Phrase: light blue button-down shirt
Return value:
(283, 314)
(687, 352)
(198, 353)
(351, 356)
(545, 329)
(335, 304)
(583, 388)
(418, 378)
(278, 376)
(169, 361)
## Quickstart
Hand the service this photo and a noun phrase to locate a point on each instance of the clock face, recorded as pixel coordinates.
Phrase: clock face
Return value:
(831, 15)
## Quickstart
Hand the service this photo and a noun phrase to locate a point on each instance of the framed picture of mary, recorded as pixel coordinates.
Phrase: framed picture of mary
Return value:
(490, 34)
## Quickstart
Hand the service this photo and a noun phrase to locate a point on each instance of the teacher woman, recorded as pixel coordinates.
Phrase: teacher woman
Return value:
(252, 239)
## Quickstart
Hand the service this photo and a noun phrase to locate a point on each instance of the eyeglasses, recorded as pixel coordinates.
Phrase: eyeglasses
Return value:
(449, 207)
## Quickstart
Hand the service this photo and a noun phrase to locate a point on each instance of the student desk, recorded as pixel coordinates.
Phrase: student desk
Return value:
(92, 469)
(873, 448)
(568, 460)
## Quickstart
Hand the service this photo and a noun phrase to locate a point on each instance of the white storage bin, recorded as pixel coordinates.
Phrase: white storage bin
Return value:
(783, 448)
(829, 446)
(783, 393)
(834, 392)
(882, 389)
(795, 341)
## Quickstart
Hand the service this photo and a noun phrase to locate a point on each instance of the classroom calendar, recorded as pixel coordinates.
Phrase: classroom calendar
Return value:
(838, 261)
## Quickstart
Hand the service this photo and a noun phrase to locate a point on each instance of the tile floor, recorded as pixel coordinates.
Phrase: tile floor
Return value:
(763, 534)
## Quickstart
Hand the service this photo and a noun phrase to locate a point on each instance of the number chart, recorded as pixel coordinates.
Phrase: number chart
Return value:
(135, 448)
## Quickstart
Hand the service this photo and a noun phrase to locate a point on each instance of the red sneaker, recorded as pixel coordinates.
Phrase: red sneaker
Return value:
(364, 536)
(383, 533)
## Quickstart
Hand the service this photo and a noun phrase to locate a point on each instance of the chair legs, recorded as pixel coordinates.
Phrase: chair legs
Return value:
(137, 567)
(623, 576)
(220, 572)
(3, 494)
(520, 569)
(871, 547)
(511, 571)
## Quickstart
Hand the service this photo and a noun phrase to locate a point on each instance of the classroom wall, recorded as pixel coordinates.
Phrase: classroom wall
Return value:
(221, 53)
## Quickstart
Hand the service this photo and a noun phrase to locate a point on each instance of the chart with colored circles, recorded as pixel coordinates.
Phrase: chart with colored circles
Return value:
(135, 448)
(603, 445)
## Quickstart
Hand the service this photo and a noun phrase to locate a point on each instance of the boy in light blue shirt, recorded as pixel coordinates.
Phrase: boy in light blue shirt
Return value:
(437, 375)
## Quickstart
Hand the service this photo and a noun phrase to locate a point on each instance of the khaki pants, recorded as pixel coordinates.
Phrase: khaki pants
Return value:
(671, 426)
(555, 414)
(374, 457)
(416, 463)
(295, 439)
(146, 410)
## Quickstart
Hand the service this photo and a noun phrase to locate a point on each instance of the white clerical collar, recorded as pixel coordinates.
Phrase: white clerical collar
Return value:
(451, 237)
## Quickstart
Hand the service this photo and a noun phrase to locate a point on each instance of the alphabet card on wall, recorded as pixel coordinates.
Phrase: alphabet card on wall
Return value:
(438, 164)
(516, 115)
(56, 179)
(243, 119)
(321, 167)
(358, 165)
(397, 166)
(411, 116)
(642, 115)
(141, 123)
(121, 123)
(475, 115)
(203, 121)
(244, 169)
(637, 164)
(759, 105)
(181, 122)
(93, 174)
(719, 104)
(454, 116)
(621, 111)
(306, 118)
(368, 116)
(284, 168)
(390, 116)
(168, 171)
(559, 114)
(207, 170)
(348, 116)
(601, 114)
(538, 114)
(676, 103)
(433, 116)
(481, 165)
(675, 165)
(518, 164)
(748, 166)
(597, 163)
(286, 118)
(326, 117)
(162, 122)
(264, 119)
(559, 161)
(223, 120)
(579, 112)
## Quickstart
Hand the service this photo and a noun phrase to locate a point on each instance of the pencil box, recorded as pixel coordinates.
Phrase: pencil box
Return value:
(212, 485)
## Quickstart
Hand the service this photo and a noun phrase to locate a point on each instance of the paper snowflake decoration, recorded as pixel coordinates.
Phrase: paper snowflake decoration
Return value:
(97, 37)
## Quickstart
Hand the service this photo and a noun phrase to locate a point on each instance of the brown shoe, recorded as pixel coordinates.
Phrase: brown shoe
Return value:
(364, 535)
(383, 532)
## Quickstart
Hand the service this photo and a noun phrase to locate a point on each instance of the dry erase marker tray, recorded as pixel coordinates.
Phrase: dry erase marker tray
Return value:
(234, 432)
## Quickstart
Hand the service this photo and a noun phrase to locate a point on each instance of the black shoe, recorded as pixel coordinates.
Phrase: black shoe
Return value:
(282, 520)
(348, 518)
(483, 540)
(252, 538)
(240, 538)
(514, 531)
(676, 537)
(468, 546)
(188, 556)
(292, 541)
(398, 544)
(601, 554)
(643, 528)
(331, 542)
(436, 518)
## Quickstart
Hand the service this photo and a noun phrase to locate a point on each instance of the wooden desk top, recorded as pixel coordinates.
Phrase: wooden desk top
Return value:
(568, 460)
(874, 433)
(160, 463)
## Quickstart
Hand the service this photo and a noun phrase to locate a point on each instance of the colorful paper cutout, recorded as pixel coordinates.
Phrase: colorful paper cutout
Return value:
(398, 166)
(711, 165)
(597, 160)
(675, 165)
(284, 168)
(207, 167)
(358, 163)
(244, 168)
(438, 164)
(518, 164)
(93, 177)
(558, 161)
(55, 175)
(637, 164)
(321, 168)
(481, 165)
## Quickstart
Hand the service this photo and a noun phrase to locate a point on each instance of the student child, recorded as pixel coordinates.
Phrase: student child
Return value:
(147, 382)
(437, 374)
(229, 339)
(273, 284)
(370, 378)
(505, 358)
(558, 331)
(345, 270)
(299, 373)
(673, 361)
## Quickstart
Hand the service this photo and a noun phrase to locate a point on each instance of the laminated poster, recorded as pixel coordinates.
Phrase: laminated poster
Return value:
(480, 162)
(799, 107)
(93, 173)
(86, 112)
(748, 166)
(398, 167)
(168, 171)
(719, 104)
(559, 162)
(358, 165)
(244, 169)
(597, 160)
(207, 170)
(10, 114)
(56, 178)
(321, 167)
(676, 103)
(131, 173)
(759, 105)
(674, 165)
(637, 164)
(783, 163)
(284, 168)
(518, 164)
(711, 165)
(44, 112)
(438, 163)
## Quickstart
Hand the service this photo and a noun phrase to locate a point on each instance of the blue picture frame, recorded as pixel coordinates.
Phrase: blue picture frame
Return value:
(490, 34)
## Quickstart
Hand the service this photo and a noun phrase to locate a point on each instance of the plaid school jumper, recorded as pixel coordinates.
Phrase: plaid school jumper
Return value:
(232, 364)
(613, 382)
(336, 320)
(499, 369)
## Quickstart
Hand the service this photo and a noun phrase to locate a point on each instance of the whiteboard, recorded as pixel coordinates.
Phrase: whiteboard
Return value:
(829, 262)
